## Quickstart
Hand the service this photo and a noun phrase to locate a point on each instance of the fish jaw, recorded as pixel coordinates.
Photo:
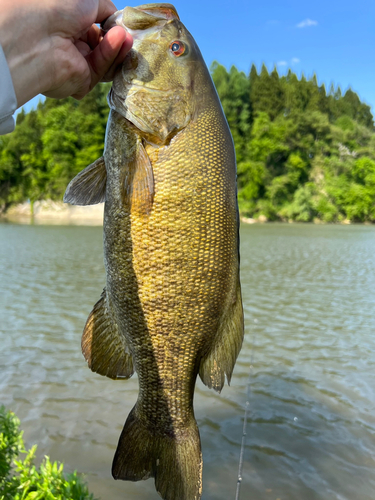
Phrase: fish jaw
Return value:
(166, 10)
(136, 19)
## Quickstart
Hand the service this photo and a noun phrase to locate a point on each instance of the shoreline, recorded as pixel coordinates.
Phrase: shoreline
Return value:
(58, 213)
(262, 219)
(55, 212)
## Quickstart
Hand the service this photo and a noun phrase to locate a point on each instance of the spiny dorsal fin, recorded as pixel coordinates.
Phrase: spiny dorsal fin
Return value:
(221, 359)
(103, 347)
(139, 183)
(88, 187)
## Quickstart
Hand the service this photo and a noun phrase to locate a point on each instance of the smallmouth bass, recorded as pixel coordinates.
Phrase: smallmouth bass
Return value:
(172, 304)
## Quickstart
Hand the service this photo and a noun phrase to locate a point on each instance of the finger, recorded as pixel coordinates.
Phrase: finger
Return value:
(83, 48)
(92, 37)
(105, 9)
(126, 46)
(103, 56)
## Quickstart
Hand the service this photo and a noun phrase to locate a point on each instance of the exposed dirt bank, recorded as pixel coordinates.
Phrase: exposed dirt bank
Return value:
(55, 212)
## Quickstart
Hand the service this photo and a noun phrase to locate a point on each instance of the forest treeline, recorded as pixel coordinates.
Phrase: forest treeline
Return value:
(303, 153)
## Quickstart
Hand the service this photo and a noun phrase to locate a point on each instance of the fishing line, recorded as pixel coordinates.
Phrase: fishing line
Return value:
(247, 409)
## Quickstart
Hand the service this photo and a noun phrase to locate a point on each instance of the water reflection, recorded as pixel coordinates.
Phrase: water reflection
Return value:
(309, 305)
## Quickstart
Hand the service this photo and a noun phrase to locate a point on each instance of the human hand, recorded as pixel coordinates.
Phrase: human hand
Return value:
(54, 47)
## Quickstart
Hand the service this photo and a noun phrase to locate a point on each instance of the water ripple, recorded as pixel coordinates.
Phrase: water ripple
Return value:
(309, 312)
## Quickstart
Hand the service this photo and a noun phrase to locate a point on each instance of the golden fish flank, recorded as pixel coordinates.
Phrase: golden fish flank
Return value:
(172, 304)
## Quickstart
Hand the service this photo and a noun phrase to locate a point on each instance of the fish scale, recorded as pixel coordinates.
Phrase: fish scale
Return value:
(172, 305)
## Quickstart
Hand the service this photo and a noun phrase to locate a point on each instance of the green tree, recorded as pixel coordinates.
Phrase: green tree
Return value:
(302, 153)
(266, 93)
(233, 90)
(21, 163)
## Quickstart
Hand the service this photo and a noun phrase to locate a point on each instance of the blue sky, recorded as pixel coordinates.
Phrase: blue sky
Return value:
(334, 39)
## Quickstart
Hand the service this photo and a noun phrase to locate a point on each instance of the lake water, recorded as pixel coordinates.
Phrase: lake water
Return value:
(309, 297)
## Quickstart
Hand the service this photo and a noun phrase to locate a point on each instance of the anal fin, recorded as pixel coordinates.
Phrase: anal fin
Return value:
(103, 347)
(222, 357)
(88, 187)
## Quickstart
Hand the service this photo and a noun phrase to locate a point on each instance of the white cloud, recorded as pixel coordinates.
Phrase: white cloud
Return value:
(306, 23)
(291, 62)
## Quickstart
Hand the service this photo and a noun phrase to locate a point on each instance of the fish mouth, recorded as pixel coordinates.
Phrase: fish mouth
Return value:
(111, 21)
(162, 10)
(153, 14)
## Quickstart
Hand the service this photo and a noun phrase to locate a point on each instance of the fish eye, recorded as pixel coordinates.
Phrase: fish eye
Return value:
(177, 48)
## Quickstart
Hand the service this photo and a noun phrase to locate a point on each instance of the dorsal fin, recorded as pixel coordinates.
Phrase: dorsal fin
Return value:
(224, 351)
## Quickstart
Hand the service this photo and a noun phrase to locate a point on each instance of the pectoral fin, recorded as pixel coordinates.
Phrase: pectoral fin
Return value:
(221, 359)
(103, 347)
(139, 182)
(88, 187)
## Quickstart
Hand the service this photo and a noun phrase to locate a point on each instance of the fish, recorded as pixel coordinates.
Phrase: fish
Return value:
(172, 306)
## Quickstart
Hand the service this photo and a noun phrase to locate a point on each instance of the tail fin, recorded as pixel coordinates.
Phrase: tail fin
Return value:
(175, 462)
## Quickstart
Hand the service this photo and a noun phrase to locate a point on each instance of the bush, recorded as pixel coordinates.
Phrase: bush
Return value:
(20, 479)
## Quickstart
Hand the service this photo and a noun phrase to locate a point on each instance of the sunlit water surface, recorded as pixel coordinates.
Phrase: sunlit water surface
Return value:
(309, 294)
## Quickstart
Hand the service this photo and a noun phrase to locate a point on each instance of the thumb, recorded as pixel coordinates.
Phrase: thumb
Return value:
(105, 9)
(109, 52)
